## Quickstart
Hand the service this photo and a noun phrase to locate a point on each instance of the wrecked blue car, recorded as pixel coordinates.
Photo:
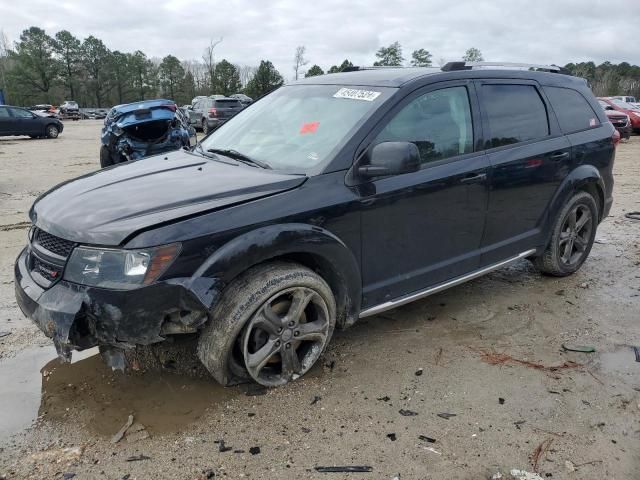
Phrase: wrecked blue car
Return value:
(141, 129)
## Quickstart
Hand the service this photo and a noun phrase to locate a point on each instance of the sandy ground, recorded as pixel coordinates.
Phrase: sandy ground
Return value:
(565, 415)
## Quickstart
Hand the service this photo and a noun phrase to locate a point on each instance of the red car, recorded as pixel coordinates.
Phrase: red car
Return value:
(620, 106)
(620, 120)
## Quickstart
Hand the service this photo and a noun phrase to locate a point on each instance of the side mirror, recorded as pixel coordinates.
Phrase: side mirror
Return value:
(391, 158)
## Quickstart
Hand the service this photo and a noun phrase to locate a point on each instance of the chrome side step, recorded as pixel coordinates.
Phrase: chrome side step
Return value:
(442, 286)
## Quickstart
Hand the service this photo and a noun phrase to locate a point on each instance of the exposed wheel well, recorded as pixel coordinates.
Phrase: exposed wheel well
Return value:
(595, 191)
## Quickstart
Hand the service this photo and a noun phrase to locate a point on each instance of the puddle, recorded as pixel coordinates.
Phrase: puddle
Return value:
(89, 393)
(621, 364)
(21, 389)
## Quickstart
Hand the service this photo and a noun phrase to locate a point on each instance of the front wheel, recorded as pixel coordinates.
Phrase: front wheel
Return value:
(574, 232)
(105, 157)
(271, 326)
(52, 131)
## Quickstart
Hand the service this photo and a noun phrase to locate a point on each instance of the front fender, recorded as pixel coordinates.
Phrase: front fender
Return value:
(310, 245)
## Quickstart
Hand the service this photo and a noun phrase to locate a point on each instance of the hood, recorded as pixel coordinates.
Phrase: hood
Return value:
(110, 205)
(615, 113)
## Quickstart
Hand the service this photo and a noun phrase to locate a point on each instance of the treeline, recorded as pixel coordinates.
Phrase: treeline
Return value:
(39, 68)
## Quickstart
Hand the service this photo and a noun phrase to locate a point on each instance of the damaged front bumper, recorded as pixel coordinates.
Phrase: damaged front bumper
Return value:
(78, 317)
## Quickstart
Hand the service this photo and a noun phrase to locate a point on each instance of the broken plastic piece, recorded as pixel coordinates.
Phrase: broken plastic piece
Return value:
(407, 413)
(523, 475)
(446, 416)
(579, 348)
(345, 469)
(424, 438)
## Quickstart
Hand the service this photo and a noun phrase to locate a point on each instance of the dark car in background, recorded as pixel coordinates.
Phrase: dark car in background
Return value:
(141, 129)
(618, 119)
(20, 121)
(69, 110)
(334, 198)
(209, 113)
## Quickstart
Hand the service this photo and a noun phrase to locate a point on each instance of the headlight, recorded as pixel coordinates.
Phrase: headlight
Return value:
(119, 269)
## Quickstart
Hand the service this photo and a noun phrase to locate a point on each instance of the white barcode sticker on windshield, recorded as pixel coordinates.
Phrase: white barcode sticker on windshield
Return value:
(355, 94)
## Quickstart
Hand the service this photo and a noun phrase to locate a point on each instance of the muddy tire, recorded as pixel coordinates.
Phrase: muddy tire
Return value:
(205, 127)
(105, 157)
(572, 238)
(52, 131)
(271, 325)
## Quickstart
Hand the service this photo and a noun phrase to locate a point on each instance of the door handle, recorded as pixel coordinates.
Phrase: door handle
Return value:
(559, 155)
(474, 178)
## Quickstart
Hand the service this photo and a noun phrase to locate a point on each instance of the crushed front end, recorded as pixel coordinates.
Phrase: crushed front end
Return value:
(142, 129)
(78, 316)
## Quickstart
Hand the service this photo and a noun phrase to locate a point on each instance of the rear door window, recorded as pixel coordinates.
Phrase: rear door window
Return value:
(572, 110)
(514, 114)
(20, 113)
(4, 112)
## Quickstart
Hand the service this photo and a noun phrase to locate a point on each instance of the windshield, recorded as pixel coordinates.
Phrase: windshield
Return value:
(621, 104)
(298, 128)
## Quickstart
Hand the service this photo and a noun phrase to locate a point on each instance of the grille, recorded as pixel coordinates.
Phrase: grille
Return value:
(54, 244)
(48, 271)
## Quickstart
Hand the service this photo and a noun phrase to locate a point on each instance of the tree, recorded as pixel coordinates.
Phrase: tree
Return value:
(96, 59)
(209, 60)
(35, 67)
(142, 72)
(390, 56)
(473, 55)
(171, 75)
(314, 71)
(246, 73)
(121, 74)
(227, 79)
(343, 65)
(266, 79)
(421, 58)
(69, 52)
(298, 60)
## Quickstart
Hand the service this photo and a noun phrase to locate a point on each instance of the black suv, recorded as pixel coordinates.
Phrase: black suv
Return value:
(210, 112)
(333, 198)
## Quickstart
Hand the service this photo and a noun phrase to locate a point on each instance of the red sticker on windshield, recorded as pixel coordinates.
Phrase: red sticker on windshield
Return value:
(310, 127)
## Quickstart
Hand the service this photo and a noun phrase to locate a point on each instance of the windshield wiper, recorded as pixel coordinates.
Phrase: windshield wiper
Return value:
(236, 155)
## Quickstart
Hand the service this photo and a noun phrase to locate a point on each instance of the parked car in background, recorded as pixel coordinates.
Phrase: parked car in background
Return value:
(625, 98)
(211, 112)
(137, 130)
(619, 120)
(45, 108)
(626, 108)
(244, 99)
(334, 198)
(69, 110)
(20, 121)
(101, 113)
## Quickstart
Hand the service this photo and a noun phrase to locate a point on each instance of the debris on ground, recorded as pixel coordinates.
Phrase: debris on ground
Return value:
(493, 358)
(424, 438)
(419, 372)
(632, 215)
(58, 455)
(138, 458)
(518, 423)
(384, 399)
(68, 475)
(391, 436)
(501, 400)
(539, 452)
(4, 334)
(315, 400)
(222, 447)
(636, 350)
(579, 348)
(118, 436)
(568, 464)
(407, 413)
(432, 450)
(446, 416)
(136, 432)
(523, 475)
(206, 475)
(254, 450)
(345, 469)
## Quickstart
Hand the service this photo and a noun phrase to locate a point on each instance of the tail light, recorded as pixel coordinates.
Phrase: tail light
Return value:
(213, 112)
(616, 138)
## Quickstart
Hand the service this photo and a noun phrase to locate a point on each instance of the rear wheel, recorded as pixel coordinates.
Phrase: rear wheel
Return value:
(205, 127)
(52, 131)
(271, 326)
(572, 238)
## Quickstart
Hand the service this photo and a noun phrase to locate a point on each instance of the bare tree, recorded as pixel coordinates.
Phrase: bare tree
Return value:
(4, 58)
(209, 59)
(299, 60)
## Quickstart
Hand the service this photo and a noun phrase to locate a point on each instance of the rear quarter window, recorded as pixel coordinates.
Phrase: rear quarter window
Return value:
(515, 113)
(228, 103)
(572, 110)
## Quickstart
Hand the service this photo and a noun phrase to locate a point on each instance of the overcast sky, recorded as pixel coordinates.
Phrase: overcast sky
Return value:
(535, 31)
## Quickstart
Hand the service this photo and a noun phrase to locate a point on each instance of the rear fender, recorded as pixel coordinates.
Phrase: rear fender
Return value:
(584, 177)
(310, 245)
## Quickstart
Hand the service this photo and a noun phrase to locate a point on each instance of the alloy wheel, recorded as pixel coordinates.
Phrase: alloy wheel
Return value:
(286, 336)
(52, 132)
(575, 235)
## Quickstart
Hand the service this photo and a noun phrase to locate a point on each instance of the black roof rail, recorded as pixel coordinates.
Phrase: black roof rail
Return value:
(462, 65)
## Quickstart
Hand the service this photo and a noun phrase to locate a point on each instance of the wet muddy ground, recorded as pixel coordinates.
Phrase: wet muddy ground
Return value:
(465, 384)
